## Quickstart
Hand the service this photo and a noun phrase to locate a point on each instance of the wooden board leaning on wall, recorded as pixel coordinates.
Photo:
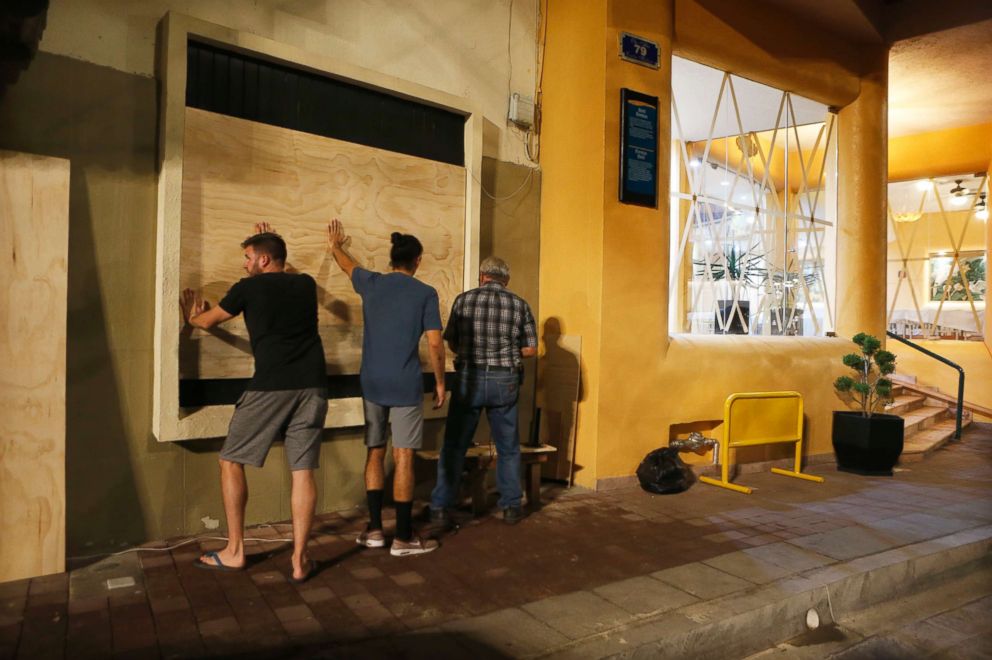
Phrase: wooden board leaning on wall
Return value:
(34, 239)
(237, 173)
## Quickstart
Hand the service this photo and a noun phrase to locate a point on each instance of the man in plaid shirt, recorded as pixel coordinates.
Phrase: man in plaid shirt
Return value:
(490, 330)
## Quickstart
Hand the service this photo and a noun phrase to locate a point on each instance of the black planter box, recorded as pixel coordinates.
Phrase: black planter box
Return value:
(734, 325)
(867, 445)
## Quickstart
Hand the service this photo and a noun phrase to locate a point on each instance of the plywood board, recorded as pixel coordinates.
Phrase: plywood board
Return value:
(558, 397)
(170, 422)
(237, 173)
(34, 231)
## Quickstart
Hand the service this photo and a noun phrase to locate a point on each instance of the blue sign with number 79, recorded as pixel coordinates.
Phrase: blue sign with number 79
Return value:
(638, 50)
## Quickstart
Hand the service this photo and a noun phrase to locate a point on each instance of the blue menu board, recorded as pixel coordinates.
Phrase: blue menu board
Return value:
(638, 148)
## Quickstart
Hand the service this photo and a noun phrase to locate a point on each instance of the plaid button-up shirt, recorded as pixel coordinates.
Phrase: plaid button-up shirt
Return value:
(489, 325)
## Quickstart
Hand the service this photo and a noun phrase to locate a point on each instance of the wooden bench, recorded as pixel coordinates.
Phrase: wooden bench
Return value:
(478, 460)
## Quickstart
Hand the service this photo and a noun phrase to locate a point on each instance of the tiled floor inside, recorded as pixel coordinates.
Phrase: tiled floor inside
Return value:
(579, 541)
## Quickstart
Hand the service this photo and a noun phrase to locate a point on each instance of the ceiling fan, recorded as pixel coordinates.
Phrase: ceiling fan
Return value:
(959, 191)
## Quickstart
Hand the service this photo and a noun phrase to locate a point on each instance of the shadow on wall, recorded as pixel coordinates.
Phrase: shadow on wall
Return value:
(106, 129)
(559, 393)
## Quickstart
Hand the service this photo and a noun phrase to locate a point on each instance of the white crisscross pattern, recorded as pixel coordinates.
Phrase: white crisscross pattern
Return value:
(752, 216)
(914, 265)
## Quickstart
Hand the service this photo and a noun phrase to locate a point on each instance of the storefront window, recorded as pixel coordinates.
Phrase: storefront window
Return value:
(753, 207)
(937, 265)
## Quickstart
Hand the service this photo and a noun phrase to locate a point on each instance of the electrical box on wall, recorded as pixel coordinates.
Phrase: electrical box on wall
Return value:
(522, 110)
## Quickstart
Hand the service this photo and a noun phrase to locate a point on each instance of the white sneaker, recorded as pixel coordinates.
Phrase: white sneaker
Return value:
(415, 546)
(371, 538)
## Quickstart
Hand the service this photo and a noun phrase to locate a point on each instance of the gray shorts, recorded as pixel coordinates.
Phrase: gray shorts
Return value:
(407, 424)
(260, 418)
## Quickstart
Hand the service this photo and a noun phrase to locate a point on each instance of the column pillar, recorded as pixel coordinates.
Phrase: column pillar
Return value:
(861, 230)
(636, 259)
(572, 147)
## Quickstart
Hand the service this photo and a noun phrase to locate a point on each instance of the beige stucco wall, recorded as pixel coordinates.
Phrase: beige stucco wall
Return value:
(89, 96)
(469, 48)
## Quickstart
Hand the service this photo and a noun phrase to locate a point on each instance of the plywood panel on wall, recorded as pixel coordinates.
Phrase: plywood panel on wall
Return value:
(34, 227)
(237, 173)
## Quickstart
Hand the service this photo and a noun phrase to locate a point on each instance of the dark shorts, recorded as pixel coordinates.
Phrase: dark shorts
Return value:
(261, 418)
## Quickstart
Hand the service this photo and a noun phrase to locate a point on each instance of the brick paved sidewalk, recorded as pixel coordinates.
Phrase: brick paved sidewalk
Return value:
(617, 554)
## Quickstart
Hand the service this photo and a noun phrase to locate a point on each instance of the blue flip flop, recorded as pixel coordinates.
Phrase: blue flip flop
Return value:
(220, 565)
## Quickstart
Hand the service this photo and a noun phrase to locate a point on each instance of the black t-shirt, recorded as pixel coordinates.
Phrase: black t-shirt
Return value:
(281, 314)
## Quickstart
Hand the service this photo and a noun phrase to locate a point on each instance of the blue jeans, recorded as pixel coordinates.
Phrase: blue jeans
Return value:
(495, 392)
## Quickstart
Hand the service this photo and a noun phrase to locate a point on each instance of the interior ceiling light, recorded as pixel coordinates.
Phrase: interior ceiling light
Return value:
(982, 208)
(911, 216)
(959, 199)
(924, 184)
(695, 162)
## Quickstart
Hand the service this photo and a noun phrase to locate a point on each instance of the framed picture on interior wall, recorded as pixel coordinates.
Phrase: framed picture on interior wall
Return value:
(951, 287)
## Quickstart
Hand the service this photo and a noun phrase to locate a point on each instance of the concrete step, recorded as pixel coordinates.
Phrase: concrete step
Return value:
(945, 620)
(757, 618)
(903, 403)
(922, 418)
(921, 444)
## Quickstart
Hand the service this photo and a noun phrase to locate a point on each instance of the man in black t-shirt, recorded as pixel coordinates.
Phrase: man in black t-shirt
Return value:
(286, 397)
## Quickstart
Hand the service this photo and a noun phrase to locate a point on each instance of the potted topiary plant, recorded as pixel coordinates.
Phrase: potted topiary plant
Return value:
(866, 441)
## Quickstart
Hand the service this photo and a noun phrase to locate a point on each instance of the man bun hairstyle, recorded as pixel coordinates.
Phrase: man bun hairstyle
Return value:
(268, 243)
(405, 251)
(495, 268)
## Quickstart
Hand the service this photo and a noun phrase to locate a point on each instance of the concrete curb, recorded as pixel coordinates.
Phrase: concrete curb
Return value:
(743, 623)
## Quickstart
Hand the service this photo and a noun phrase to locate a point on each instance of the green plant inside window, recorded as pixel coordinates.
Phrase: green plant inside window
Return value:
(735, 265)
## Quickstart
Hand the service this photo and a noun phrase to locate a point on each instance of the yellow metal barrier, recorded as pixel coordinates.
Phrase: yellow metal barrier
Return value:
(761, 418)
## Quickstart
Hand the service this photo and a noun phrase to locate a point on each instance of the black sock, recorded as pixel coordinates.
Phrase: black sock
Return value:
(374, 498)
(404, 521)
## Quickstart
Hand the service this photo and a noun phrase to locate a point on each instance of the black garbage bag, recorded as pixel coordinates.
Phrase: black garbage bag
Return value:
(663, 472)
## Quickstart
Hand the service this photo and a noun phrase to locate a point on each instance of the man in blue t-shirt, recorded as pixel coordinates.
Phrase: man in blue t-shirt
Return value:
(397, 310)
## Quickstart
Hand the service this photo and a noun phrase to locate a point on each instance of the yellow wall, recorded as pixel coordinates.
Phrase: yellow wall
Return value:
(766, 44)
(635, 256)
(862, 127)
(572, 196)
(941, 153)
(604, 265)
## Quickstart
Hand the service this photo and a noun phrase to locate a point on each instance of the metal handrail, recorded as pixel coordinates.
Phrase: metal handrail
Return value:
(940, 358)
